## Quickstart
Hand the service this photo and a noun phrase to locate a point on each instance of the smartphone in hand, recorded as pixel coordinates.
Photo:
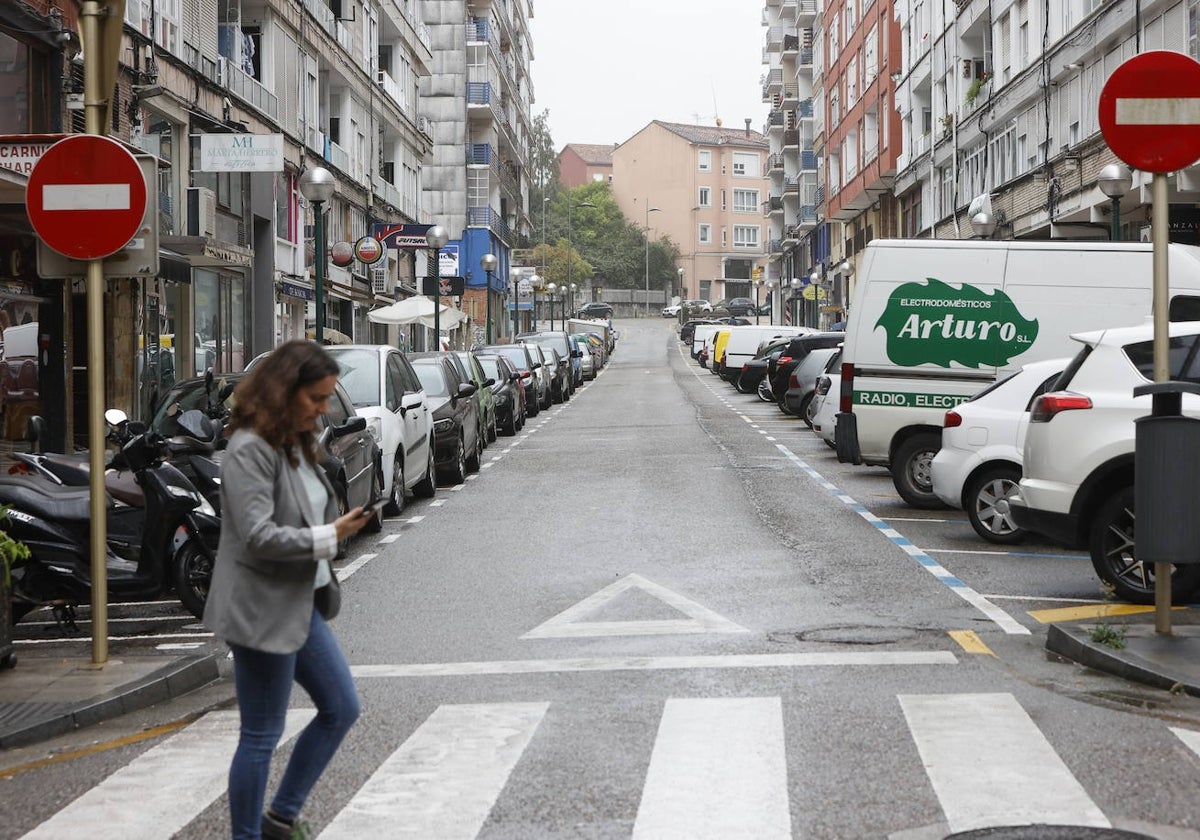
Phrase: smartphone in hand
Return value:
(372, 507)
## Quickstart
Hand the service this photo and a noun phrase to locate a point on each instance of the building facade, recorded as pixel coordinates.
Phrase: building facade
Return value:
(478, 102)
(704, 187)
(583, 163)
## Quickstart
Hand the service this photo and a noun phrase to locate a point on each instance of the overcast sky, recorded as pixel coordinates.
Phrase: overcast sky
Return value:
(606, 68)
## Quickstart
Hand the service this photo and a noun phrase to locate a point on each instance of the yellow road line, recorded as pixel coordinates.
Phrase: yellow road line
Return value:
(1090, 611)
(165, 729)
(970, 642)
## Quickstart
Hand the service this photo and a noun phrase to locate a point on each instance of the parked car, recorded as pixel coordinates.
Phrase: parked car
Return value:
(527, 365)
(794, 354)
(978, 468)
(595, 309)
(508, 391)
(487, 402)
(587, 361)
(688, 329)
(457, 433)
(594, 345)
(552, 373)
(826, 402)
(672, 311)
(740, 306)
(384, 388)
(1078, 465)
(560, 342)
(802, 383)
(351, 457)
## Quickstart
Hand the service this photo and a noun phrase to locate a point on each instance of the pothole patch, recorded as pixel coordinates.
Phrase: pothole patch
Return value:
(851, 634)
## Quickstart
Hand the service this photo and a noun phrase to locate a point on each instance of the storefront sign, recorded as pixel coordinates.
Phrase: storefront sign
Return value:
(296, 291)
(401, 236)
(342, 254)
(19, 152)
(241, 152)
(368, 250)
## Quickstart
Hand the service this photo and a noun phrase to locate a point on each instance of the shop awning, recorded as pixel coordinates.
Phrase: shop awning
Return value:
(417, 310)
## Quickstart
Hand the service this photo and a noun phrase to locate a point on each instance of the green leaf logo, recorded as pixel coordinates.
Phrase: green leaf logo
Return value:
(932, 323)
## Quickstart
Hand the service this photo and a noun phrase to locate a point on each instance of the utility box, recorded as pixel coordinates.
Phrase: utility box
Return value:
(1167, 477)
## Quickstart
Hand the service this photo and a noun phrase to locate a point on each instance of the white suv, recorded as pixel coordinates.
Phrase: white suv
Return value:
(1079, 453)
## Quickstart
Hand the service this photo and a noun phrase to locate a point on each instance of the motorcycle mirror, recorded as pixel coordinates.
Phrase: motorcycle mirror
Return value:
(208, 379)
(115, 417)
(172, 409)
(226, 390)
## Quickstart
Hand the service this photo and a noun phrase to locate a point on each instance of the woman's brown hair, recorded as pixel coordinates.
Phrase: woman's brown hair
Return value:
(263, 400)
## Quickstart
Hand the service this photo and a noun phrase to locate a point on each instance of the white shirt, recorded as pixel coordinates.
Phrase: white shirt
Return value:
(324, 536)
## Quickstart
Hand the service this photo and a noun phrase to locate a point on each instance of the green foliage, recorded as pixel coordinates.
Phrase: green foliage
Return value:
(11, 551)
(977, 86)
(1109, 636)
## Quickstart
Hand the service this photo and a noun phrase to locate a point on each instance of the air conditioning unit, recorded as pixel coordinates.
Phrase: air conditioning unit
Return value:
(379, 280)
(201, 212)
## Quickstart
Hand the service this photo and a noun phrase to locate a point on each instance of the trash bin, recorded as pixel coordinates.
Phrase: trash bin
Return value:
(1167, 476)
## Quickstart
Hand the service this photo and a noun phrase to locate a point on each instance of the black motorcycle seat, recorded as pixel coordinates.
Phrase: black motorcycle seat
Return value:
(34, 495)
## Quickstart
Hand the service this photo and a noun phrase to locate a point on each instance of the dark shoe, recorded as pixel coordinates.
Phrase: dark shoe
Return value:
(274, 828)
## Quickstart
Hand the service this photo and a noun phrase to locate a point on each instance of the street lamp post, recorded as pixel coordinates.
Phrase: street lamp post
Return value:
(437, 238)
(682, 296)
(795, 283)
(757, 286)
(570, 305)
(550, 287)
(815, 280)
(488, 263)
(570, 249)
(515, 276)
(649, 210)
(316, 185)
(1114, 181)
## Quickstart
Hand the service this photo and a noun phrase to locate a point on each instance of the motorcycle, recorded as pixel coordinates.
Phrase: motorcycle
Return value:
(174, 548)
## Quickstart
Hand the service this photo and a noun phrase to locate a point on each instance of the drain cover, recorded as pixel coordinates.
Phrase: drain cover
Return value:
(1047, 832)
(857, 635)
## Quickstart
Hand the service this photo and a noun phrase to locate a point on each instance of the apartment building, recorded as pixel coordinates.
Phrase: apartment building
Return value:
(478, 103)
(584, 163)
(704, 187)
(234, 100)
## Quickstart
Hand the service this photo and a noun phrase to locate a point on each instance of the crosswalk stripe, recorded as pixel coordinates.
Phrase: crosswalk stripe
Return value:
(442, 781)
(163, 789)
(717, 771)
(990, 765)
(1189, 737)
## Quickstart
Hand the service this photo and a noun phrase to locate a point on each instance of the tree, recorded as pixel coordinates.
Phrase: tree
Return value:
(543, 173)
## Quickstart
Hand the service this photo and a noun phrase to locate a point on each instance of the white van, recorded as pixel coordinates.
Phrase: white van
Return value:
(935, 321)
(745, 341)
(703, 339)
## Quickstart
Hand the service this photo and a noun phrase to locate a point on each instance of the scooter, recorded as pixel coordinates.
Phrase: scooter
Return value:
(176, 549)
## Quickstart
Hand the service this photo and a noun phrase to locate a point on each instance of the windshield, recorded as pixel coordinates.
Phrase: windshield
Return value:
(360, 375)
(432, 378)
(516, 355)
(490, 367)
(188, 394)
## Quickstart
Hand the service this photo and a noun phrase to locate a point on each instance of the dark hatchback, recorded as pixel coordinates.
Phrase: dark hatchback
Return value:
(523, 362)
(794, 354)
(456, 430)
(688, 331)
(351, 456)
(755, 370)
(508, 391)
(595, 309)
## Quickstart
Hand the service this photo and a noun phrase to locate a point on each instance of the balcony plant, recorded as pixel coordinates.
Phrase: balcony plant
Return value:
(977, 86)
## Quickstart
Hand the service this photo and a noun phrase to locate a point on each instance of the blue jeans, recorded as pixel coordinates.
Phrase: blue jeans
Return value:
(264, 684)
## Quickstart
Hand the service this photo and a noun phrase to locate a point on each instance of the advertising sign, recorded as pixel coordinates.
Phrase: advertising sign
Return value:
(443, 286)
(401, 236)
(241, 152)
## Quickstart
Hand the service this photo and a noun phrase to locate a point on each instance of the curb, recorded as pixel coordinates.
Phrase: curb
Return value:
(1075, 643)
(170, 681)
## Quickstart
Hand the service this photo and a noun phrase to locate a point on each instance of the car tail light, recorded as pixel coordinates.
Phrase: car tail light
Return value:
(846, 395)
(782, 360)
(953, 418)
(793, 382)
(1048, 405)
(745, 368)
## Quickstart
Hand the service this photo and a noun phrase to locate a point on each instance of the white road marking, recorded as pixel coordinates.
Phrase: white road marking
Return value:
(179, 646)
(1189, 737)
(568, 623)
(437, 503)
(990, 765)
(85, 197)
(350, 568)
(413, 520)
(656, 663)
(390, 538)
(163, 789)
(443, 781)
(718, 771)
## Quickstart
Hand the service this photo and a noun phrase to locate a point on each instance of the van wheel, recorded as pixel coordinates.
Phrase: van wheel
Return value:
(912, 471)
(989, 497)
(1113, 549)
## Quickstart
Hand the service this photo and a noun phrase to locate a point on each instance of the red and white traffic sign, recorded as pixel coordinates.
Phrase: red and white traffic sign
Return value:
(1150, 111)
(86, 197)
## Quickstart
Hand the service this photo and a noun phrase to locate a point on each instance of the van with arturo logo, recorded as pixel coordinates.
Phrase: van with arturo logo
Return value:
(933, 322)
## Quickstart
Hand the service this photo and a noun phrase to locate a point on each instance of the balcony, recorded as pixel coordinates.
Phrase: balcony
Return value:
(774, 37)
(808, 214)
(324, 16)
(791, 44)
(774, 121)
(806, 58)
(819, 195)
(773, 83)
(791, 95)
(772, 205)
(791, 185)
(480, 154)
(808, 160)
(791, 138)
(805, 109)
(486, 217)
(775, 162)
(392, 88)
(806, 11)
(247, 88)
(338, 156)
(775, 246)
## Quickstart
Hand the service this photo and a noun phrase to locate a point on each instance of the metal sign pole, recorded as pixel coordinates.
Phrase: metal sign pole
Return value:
(1160, 209)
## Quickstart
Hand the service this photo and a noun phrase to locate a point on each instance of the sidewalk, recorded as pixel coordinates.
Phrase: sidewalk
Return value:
(1168, 662)
(49, 694)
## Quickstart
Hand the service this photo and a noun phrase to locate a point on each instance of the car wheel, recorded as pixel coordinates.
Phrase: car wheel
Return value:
(806, 410)
(764, 391)
(426, 488)
(912, 471)
(456, 473)
(492, 433)
(375, 525)
(510, 428)
(988, 500)
(395, 505)
(742, 389)
(1113, 549)
(476, 456)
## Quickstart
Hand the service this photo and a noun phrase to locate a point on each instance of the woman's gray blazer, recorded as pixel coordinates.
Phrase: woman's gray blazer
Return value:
(261, 595)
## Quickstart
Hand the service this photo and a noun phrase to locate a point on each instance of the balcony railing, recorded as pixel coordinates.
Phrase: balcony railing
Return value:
(339, 157)
(775, 246)
(323, 14)
(791, 138)
(392, 88)
(479, 93)
(791, 43)
(486, 217)
(806, 10)
(247, 88)
(806, 57)
(774, 204)
(805, 109)
(775, 161)
(808, 160)
(480, 153)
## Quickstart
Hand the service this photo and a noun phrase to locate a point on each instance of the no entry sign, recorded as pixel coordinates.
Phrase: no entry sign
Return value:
(1150, 111)
(86, 197)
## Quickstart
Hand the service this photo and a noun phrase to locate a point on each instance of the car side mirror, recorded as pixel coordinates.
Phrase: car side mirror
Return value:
(513, 377)
(350, 426)
(489, 382)
(411, 400)
(466, 389)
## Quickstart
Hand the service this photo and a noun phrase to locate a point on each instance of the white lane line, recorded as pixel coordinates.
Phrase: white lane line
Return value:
(990, 765)
(390, 538)
(350, 568)
(88, 638)
(413, 520)
(163, 789)
(1005, 621)
(718, 771)
(443, 781)
(656, 663)
(471, 477)
(1189, 737)
(437, 503)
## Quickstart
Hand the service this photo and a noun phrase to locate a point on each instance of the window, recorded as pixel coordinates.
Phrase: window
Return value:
(167, 34)
(745, 201)
(745, 163)
(724, 237)
(724, 201)
(705, 197)
(745, 236)
(705, 235)
(910, 209)
(1003, 156)
(851, 17)
(870, 65)
(851, 81)
(974, 172)
(704, 160)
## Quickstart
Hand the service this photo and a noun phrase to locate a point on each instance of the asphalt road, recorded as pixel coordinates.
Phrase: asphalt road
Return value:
(664, 610)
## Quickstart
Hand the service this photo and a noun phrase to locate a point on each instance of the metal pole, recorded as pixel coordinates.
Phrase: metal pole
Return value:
(1116, 218)
(437, 299)
(570, 251)
(516, 306)
(489, 307)
(319, 330)
(1160, 209)
(94, 101)
(647, 258)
